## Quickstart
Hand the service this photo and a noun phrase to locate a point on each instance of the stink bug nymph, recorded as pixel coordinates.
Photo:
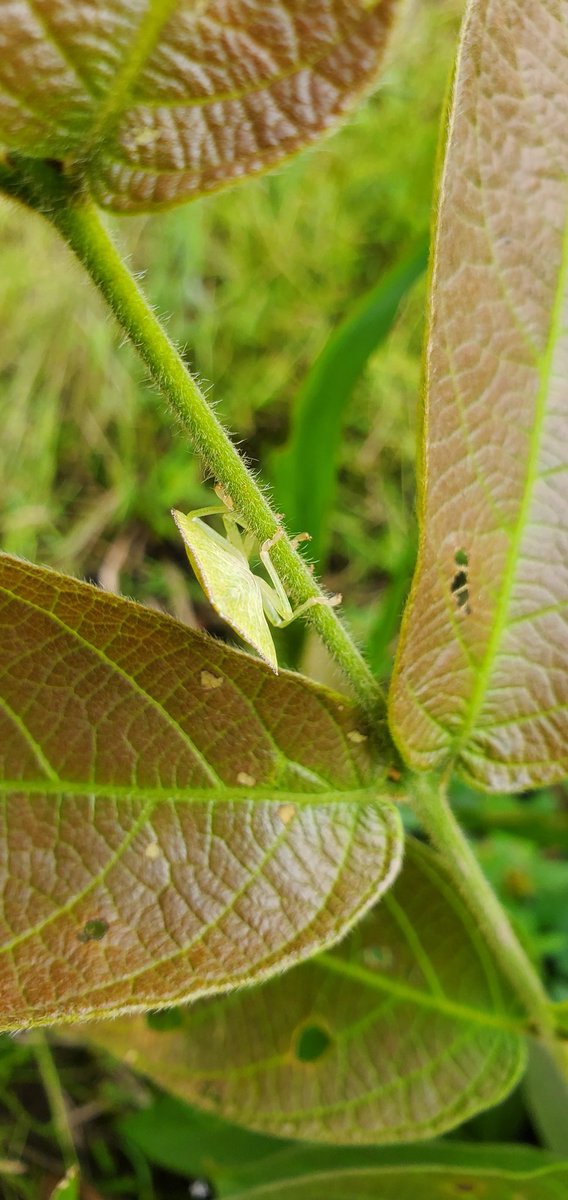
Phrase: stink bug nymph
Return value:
(246, 601)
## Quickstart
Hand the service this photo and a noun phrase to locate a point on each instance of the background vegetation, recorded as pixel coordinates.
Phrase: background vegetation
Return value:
(255, 279)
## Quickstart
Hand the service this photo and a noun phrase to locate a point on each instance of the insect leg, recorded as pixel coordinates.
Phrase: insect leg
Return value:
(277, 604)
(277, 596)
(327, 601)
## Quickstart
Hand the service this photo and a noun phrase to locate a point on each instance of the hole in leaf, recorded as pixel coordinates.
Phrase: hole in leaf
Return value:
(461, 558)
(459, 587)
(164, 1019)
(312, 1043)
(93, 931)
(459, 582)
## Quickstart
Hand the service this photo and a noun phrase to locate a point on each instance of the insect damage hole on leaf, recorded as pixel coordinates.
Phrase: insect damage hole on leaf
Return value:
(312, 1043)
(245, 600)
(459, 586)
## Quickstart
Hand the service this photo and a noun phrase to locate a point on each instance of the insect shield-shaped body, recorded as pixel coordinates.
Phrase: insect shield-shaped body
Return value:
(246, 601)
(223, 570)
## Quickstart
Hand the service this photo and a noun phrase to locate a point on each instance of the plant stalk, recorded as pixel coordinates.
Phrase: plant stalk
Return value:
(78, 221)
(56, 1099)
(433, 810)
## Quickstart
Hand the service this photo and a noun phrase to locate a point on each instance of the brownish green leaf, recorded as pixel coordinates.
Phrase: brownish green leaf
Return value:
(175, 819)
(482, 674)
(160, 100)
(402, 1032)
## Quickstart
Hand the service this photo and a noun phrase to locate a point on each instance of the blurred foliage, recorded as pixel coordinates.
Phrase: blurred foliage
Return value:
(522, 847)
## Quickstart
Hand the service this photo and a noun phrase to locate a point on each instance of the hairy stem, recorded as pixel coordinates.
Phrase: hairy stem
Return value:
(80, 224)
(438, 821)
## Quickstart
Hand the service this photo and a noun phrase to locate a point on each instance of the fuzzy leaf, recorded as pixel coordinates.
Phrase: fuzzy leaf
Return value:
(402, 1032)
(482, 672)
(175, 819)
(161, 100)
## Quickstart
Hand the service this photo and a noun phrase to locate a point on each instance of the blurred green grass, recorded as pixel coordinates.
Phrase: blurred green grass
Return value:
(252, 281)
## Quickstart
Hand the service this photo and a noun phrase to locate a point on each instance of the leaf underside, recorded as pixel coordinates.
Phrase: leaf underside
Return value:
(160, 100)
(175, 819)
(482, 673)
(402, 1032)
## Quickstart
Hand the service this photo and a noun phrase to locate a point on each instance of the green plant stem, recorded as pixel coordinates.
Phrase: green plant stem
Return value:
(431, 806)
(61, 201)
(56, 1099)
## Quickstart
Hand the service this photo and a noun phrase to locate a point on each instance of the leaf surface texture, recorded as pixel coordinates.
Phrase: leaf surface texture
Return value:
(175, 819)
(161, 100)
(482, 668)
(418, 1031)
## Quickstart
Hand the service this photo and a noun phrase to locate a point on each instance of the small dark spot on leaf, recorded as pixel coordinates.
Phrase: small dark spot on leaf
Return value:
(164, 1019)
(464, 1187)
(461, 558)
(312, 1043)
(377, 957)
(93, 931)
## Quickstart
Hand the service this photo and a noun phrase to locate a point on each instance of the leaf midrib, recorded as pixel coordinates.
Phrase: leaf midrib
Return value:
(149, 30)
(138, 52)
(260, 793)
